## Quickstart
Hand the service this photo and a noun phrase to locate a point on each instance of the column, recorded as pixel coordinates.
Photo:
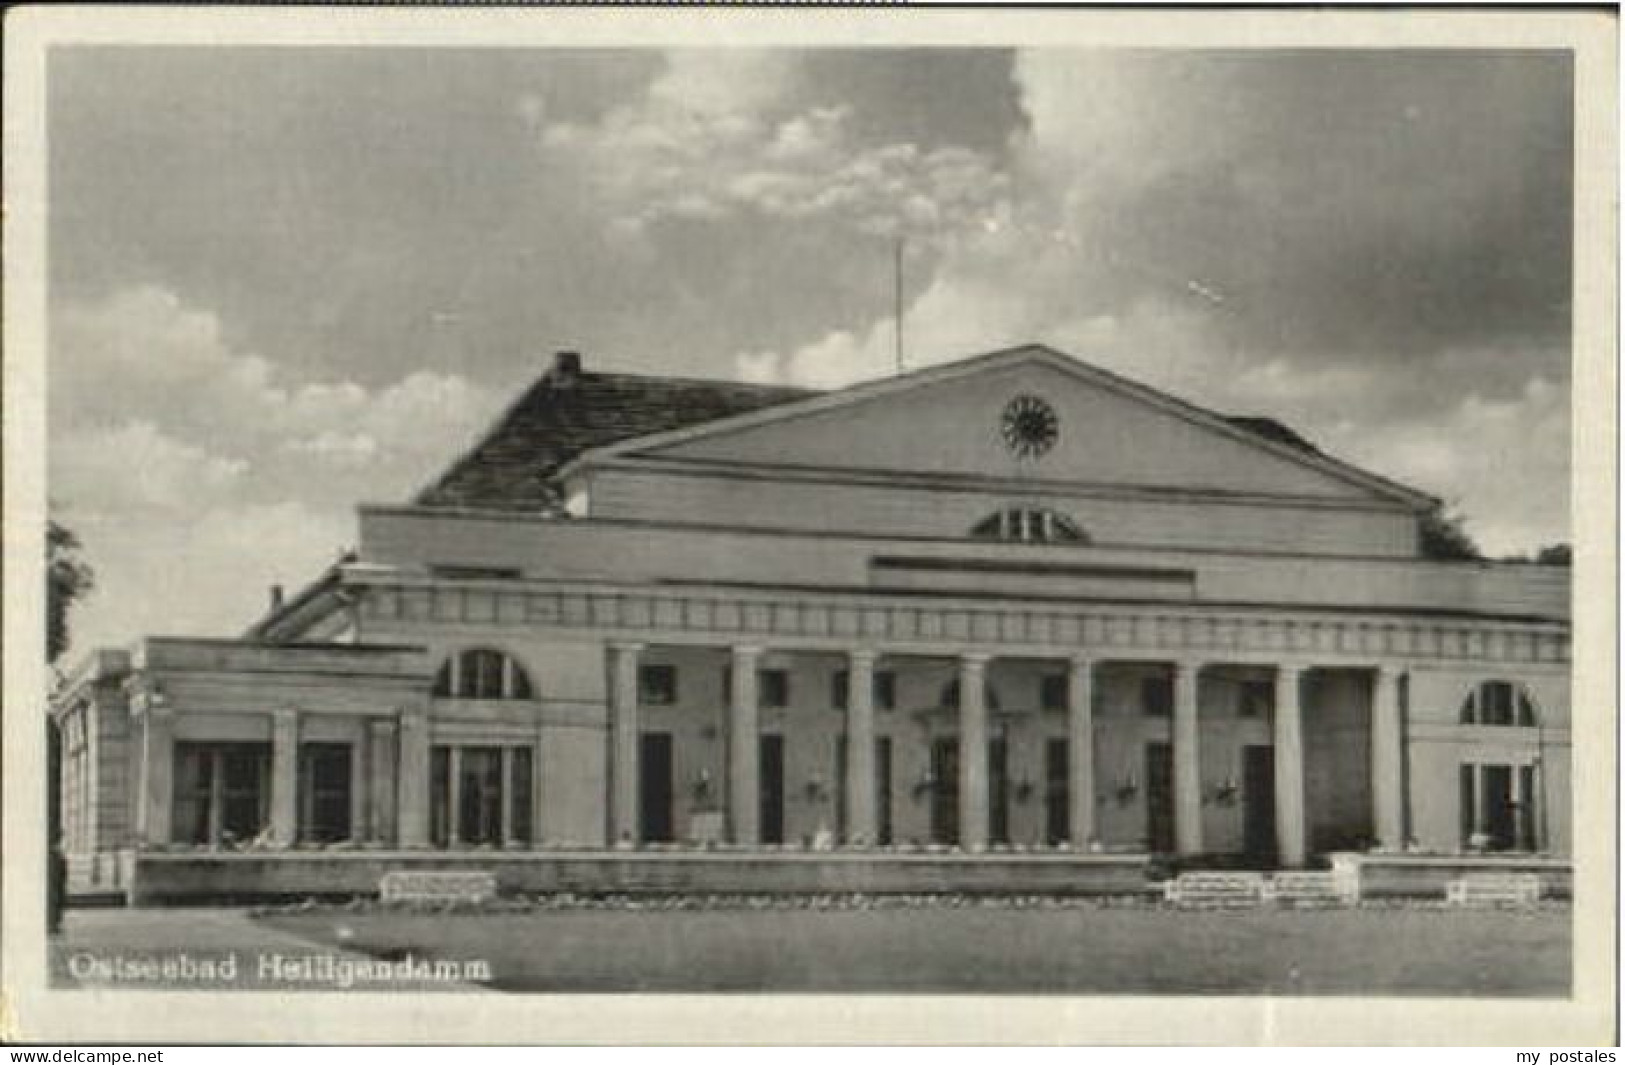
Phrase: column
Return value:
(1080, 751)
(973, 751)
(360, 792)
(380, 780)
(744, 772)
(537, 806)
(1290, 836)
(412, 779)
(1387, 779)
(285, 778)
(505, 815)
(623, 727)
(454, 796)
(1187, 761)
(860, 749)
(157, 775)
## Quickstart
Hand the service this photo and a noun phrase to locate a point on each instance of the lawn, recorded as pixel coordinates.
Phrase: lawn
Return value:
(981, 949)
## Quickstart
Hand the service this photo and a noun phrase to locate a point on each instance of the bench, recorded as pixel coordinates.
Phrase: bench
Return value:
(1310, 888)
(1494, 889)
(437, 886)
(1215, 889)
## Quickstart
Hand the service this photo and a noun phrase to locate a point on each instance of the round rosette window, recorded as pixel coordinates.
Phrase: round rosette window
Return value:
(1029, 426)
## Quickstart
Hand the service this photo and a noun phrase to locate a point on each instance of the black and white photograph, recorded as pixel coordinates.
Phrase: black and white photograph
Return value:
(1003, 508)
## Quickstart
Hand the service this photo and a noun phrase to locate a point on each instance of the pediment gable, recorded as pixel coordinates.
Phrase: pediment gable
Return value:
(974, 419)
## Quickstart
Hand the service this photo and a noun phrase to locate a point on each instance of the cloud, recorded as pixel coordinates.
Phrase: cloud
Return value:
(1503, 463)
(719, 136)
(144, 364)
(204, 577)
(183, 462)
(1371, 247)
(135, 466)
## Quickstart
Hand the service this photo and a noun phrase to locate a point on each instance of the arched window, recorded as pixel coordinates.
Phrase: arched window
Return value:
(1498, 702)
(481, 673)
(1029, 525)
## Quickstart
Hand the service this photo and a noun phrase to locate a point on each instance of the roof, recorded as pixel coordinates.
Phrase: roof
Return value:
(1270, 429)
(563, 415)
(569, 411)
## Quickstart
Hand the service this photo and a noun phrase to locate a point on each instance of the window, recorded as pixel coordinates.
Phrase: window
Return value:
(950, 695)
(1053, 691)
(885, 689)
(1498, 702)
(1029, 525)
(480, 795)
(1157, 696)
(1499, 807)
(1257, 698)
(657, 685)
(773, 688)
(482, 674)
(222, 795)
(324, 792)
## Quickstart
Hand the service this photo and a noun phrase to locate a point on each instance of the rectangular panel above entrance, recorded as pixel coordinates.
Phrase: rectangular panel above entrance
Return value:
(1029, 578)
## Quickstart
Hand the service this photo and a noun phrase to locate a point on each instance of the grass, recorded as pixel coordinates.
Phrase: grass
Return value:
(984, 949)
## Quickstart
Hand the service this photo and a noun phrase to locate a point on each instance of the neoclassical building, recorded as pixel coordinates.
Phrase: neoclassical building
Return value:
(1011, 613)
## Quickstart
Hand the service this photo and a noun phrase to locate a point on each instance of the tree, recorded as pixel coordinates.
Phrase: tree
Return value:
(1555, 555)
(68, 579)
(1445, 537)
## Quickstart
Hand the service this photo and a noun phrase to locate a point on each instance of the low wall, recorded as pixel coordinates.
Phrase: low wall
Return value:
(1425, 876)
(161, 878)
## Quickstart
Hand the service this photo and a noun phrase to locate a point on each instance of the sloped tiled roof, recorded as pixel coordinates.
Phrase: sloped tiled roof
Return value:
(565, 414)
(557, 419)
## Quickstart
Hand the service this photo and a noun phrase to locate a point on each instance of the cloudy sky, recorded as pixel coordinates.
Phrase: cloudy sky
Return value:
(286, 281)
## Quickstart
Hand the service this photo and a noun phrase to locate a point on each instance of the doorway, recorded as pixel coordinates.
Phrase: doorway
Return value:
(998, 792)
(945, 790)
(1159, 797)
(1057, 792)
(883, 814)
(771, 785)
(655, 822)
(1258, 803)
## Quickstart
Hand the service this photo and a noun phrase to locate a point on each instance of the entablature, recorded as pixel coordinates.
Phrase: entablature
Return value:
(400, 603)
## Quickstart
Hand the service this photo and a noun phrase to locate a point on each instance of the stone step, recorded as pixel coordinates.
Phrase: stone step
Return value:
(1208, 888)
(437, 886)
(1494, 889)
(1306, 888)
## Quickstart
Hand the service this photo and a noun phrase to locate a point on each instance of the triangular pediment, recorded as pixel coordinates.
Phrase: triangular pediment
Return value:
(985, 418)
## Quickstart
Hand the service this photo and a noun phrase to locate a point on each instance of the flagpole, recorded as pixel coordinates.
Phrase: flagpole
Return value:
(897, 300)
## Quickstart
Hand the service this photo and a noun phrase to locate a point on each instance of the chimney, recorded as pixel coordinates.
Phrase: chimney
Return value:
(276, 597)
(566, 369)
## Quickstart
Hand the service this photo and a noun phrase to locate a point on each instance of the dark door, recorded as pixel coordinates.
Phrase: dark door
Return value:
(945, 790)
(883, 822)
(1499, 822)
(998, 790)
(1258, 797)
(655, 787)
(1057, 792)
(324, 792)
(479, 794)
(772, 789)
(1159, 797)
(842, 770)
